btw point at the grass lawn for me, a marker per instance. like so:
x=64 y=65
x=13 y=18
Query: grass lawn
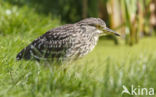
x=102 y=73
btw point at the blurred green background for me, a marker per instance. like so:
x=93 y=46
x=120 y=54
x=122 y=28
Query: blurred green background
x=129 y=60
x=132 y=18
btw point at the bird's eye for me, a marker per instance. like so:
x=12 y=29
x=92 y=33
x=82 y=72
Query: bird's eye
x=98 y=26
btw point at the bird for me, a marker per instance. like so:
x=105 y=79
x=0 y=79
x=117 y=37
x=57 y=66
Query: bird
x=68 y=42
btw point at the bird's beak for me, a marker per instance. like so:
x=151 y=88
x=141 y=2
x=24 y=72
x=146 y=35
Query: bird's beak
x=110 y=31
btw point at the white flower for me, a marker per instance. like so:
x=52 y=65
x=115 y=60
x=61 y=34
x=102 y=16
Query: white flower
x=8 y=12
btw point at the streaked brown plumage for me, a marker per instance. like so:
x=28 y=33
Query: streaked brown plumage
x=66 y=42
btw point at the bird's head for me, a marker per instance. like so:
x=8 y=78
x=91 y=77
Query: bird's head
x=100 y=25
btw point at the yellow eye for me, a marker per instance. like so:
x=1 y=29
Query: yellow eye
x=98 y=26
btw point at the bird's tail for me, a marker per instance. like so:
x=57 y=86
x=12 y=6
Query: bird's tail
x=24 y=54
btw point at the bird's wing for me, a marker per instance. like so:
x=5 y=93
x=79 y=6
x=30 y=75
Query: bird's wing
x=51 y=44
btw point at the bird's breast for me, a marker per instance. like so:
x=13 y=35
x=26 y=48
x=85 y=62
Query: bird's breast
x=82 y=44
x=88 y=45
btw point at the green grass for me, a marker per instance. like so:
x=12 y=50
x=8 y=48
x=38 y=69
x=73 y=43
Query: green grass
x=99 y=74
x=102 y=73
x=19 y=20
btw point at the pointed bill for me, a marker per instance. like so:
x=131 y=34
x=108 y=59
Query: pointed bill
x=110 y=31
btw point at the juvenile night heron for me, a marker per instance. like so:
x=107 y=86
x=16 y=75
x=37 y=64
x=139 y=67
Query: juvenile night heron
x=67 y=42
